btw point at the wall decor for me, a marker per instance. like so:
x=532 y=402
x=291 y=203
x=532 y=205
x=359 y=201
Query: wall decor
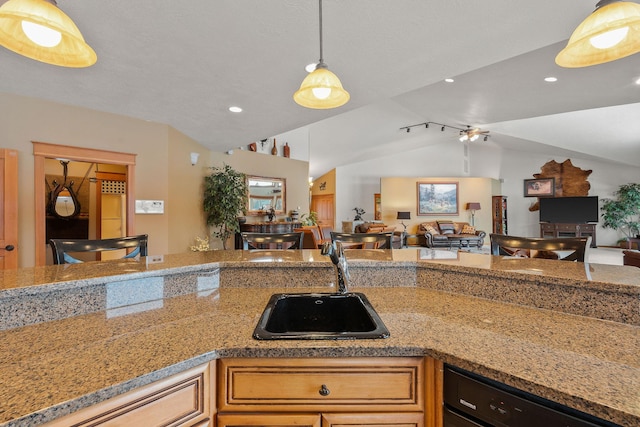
x=570 y=180
x=437 y=198
x=542 y=187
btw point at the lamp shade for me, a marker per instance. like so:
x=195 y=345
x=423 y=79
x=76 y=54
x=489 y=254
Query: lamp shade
x=23 y=22
x=321 y=89
x=473 y=206
x=611 y=32
x=404 y=215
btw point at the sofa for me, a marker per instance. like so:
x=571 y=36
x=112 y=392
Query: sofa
x=378 y=227
x=449 y=234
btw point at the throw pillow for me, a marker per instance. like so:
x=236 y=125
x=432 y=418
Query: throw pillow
x=446 y=227
x=468 y=229
x=429 y=229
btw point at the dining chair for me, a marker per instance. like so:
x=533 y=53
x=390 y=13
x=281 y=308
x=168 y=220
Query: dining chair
x=310 y=239
x=62 y=248
x=325 y=232
x=272 y=240
x=578 y=247
x=363 y=240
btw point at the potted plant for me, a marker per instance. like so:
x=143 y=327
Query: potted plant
x=623 y=212
x=311 y=219
x=225 y=195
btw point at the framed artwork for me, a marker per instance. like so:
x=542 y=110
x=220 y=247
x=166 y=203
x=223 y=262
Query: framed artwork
x=437 y=198
x=543 y=187
x=377 y=206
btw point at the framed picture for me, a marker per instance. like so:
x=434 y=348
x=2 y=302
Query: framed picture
x=437 y=198
x=377 y=207
x=543 y=187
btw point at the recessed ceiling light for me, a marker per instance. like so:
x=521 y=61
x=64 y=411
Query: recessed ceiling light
x=449 y=80
x=638 y=81
x=235 y=109
x=550 y=79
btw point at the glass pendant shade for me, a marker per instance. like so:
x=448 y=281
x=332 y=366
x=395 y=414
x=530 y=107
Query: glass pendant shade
x=39 y=30
x=321 y=89
x=611 y=32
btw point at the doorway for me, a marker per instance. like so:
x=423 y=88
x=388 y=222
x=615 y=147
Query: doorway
x=324 y=206
x=43 y=151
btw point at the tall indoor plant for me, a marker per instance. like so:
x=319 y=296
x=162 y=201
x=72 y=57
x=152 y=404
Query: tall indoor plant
x=225 y=196
x=623 y=212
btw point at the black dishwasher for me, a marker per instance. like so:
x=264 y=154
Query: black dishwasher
x=474 y=401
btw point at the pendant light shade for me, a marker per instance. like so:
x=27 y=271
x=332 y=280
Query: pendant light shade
x=321 y=89
x=39 y=30
x=611 y=32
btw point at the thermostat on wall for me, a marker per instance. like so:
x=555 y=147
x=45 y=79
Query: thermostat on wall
x=149 y=206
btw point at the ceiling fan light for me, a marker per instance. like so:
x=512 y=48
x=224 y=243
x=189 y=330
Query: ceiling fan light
x=611 y=32
x=20 y=18
x=321 y=89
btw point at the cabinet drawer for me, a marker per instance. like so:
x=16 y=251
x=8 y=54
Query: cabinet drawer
x=367 y=384
x=566 y=227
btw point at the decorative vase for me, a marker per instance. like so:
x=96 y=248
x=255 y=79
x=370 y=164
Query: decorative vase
x=287 y=149
x=274 y=150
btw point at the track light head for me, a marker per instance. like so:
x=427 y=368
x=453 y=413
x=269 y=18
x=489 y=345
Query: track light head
x=426 y=125
x=408 y=130
x=442 y=129
x=486 y=138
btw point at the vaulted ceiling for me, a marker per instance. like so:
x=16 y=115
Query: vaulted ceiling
x=184 y=62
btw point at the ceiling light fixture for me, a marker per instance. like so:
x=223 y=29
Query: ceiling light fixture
x=611 y=32
x=321 y=89
x=465 y=134
x=39 y=30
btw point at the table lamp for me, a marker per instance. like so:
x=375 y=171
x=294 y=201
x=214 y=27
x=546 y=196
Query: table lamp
x=402 y=216
x=473 y=207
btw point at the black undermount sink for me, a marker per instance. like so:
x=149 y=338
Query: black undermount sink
x=319 y=316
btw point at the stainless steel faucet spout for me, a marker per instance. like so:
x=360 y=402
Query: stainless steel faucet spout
x=335 y=251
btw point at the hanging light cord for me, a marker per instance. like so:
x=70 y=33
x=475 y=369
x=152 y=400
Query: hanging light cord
x=321 y=61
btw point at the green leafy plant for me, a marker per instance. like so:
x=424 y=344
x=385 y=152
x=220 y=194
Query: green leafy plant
x=225 y=196
x=311 y=219
x=623 y=212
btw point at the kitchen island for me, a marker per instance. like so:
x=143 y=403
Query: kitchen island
x=76 y=335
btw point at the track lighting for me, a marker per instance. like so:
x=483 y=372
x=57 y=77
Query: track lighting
x=465 y=134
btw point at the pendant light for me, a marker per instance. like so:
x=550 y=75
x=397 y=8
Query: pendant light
x=611 y=32
x=321 y=89
x=39 y=30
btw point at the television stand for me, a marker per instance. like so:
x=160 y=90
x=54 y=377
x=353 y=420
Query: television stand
x=556 y=229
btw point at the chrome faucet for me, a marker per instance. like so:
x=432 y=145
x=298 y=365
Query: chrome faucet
x=335 y=251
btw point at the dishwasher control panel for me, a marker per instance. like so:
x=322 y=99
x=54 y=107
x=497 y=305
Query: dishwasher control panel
x=471 y=400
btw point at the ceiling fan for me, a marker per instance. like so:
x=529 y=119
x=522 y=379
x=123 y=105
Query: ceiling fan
x=472 y=134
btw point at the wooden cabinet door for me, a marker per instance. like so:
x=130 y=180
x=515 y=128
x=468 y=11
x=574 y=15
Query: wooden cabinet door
x=267 y=420
x=373 y=420
x=8 y=209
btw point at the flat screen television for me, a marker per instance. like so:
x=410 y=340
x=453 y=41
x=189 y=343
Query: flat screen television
x=569 y=209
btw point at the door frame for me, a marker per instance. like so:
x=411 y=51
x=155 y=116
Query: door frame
x=42 y=150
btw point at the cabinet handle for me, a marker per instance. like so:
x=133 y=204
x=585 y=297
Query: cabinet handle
x=324 y=391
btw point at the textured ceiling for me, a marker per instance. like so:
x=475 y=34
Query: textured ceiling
x=185 y=62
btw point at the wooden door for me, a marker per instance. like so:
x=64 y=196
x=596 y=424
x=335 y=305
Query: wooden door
x=324 y=206
x=9 y=210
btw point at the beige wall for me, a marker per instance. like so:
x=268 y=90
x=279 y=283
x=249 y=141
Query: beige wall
x=163 y=168
x=329 y=181
x=401 y=194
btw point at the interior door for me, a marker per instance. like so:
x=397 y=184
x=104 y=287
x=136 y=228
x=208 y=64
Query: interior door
x=324 y=206
x=9 y=209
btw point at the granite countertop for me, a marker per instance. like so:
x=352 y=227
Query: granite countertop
x=51 y=368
